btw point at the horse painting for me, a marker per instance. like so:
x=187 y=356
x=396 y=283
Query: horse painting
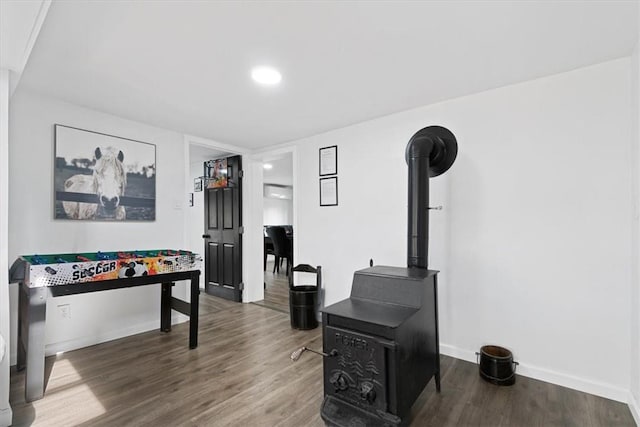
x=108 y=182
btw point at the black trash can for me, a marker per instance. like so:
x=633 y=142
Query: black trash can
x=303 y=300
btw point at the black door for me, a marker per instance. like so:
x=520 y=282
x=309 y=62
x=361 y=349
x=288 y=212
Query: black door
x=223 y=233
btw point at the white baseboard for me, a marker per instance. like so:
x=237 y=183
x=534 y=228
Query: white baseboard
x=6 y=416
x=458 y=353
x=634 y=408
x=562 y=379
x=86 y=341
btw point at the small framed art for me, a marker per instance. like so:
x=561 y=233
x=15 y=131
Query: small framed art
x=329 y=160
x=329 y=191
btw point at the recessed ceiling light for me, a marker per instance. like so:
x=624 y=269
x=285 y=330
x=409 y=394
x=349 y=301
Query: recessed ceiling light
x=266 y=75
x=267 y=166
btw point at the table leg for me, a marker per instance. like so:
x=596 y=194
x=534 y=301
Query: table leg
x=435 y=299
x=32 y=324
x=194 y=305
x=165 y=307
x=23 y=307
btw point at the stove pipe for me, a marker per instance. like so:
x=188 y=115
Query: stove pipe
x=430 y=152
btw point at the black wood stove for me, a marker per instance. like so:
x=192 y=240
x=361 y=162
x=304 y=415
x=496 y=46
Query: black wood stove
x=381 y=345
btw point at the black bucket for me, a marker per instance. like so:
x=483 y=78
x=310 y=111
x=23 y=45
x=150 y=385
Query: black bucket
x=497 y=365
x=303 y=300
x=302 y=307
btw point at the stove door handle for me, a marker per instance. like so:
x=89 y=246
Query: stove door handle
x=296 y=354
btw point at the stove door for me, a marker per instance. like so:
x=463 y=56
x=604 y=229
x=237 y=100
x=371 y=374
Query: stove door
x=360 y=372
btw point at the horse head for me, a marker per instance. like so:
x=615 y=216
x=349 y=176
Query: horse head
x=109 y=177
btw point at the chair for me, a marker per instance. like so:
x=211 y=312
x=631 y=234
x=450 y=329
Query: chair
x=268 y=248
x=281 y=247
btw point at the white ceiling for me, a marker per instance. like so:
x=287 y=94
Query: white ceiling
x=20 y=23
x=185 y=65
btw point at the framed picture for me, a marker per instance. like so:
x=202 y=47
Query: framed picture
x=216 y=173
x=329 y=160
x=103 y=177
x=329 y=191
x=197 y=184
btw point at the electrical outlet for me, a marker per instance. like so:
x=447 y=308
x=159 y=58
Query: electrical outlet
x=65 y=311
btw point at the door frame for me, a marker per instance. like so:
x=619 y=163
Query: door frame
x=270 y=153
x=252 y=207
x=189 y=140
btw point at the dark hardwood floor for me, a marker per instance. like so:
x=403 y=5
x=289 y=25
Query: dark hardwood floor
x=241 y=375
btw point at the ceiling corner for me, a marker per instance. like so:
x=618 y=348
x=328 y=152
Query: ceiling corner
x=21 y=24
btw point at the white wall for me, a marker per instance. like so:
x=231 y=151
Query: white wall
x=5 y=408
x=635 y=273
x=253 y=237
x=534 y=240
x=99 y=316
x=195 y=216
x=277 y=211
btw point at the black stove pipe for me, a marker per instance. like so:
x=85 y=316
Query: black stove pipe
x=430 y=152
x=418 y=152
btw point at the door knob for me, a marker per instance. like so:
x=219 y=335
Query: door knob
x=206 y=236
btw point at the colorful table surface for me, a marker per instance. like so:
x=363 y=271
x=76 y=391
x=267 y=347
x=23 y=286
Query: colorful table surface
x=66 y=269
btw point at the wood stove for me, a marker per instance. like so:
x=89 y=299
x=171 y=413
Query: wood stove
x=381 y=345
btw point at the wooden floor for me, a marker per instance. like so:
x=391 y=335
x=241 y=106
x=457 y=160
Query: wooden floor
x=241 y=375
x=276 y=291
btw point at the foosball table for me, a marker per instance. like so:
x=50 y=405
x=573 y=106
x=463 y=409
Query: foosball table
x=70 y=274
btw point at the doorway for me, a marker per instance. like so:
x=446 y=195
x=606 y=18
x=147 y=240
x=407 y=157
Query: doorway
x=278 y=211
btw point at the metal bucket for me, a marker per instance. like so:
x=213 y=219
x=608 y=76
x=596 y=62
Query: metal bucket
x=497 y=365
